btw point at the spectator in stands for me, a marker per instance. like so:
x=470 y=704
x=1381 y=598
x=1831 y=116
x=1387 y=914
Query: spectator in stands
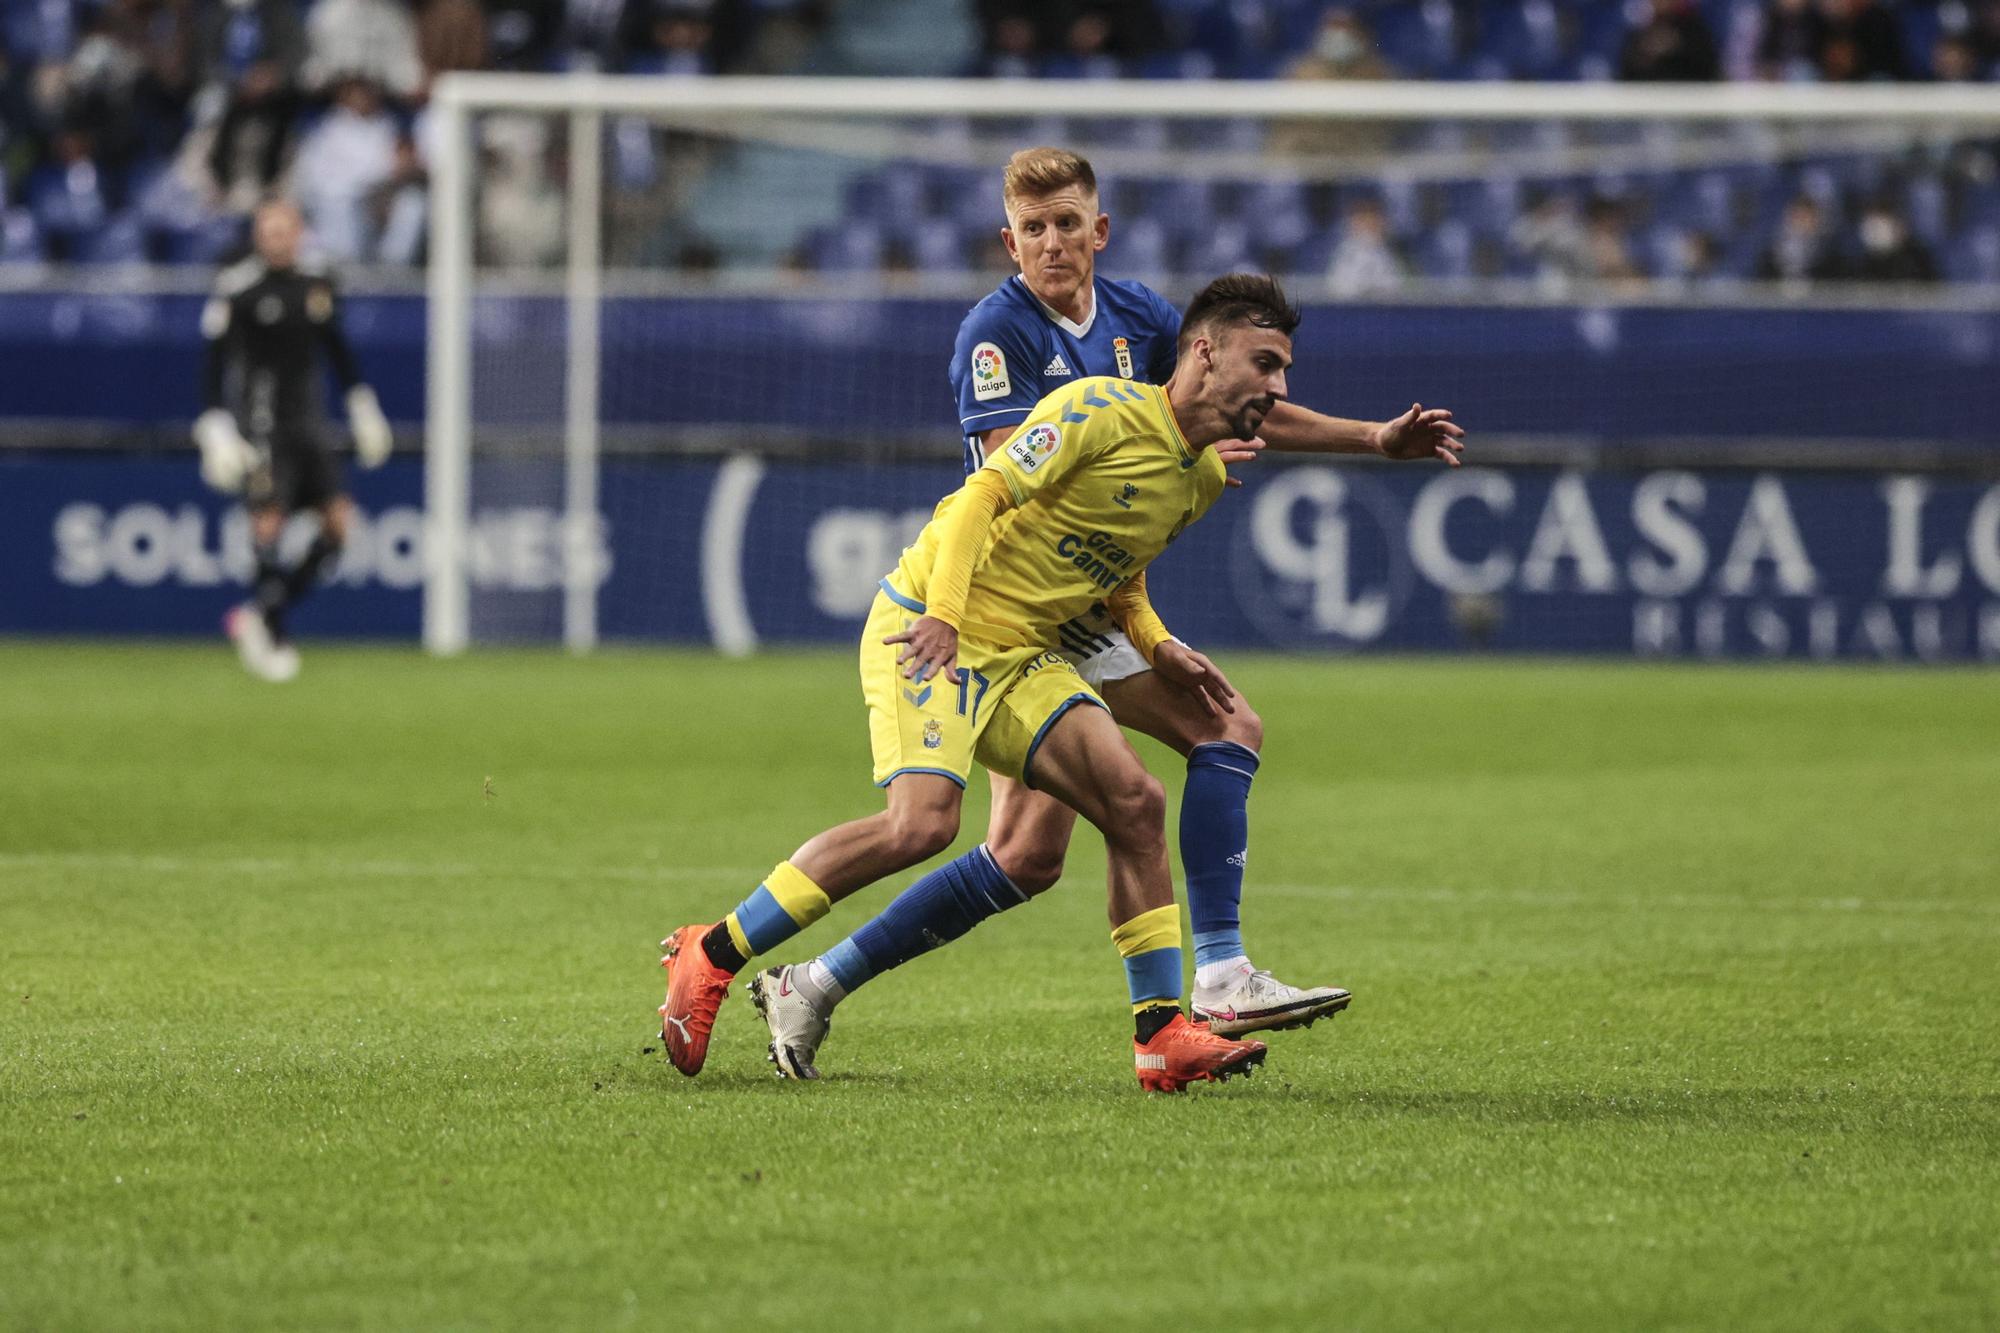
x=1343 y=49
x=402 y=202
x=1673 y=45
x=1889 y=253
x=1550 y=240
x=1863 y=43
x=1011 y=42
x=1087 y=48
x=109 y=89
x=1984 y=34
x=1607 y=244
x=343 y=165
x=1700 y=262
x=520 y=208
x=522 y=34
x=17 y=119
x=70 y=196
x=1079 y=33
x=1789 y=43
x=676 y=42
x=374 y=40
x=1803 y=252
x=250 y=53
x=599 y=33
x=451 y=35
x=1954 y=59
x=1365 y=261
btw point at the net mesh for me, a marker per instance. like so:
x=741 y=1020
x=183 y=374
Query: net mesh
x=781 y=294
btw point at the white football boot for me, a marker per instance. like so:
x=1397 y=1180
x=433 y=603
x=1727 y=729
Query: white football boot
x=1252 y=1000
x=284 y=663
x=254 y=648
x=797 y=1025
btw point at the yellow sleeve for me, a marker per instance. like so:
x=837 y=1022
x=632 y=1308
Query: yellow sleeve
x=961 y=534
x=1135 y=615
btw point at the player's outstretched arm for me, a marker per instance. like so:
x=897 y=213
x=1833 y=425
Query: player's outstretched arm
x=1420 y=433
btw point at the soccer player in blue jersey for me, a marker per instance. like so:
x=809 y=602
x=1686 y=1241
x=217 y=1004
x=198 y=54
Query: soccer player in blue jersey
x=1054 y=323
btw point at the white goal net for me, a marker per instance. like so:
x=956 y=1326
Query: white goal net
x=689 y=340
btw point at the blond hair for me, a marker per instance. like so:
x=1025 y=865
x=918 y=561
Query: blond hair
x=1034 y=173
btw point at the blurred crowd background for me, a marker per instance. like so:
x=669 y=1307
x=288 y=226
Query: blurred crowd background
x=141 y=131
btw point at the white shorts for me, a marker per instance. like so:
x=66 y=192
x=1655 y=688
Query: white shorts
x=1098 y=649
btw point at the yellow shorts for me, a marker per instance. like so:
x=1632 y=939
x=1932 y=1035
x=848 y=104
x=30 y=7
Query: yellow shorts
x=995 y=713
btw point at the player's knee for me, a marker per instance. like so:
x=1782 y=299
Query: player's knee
x=1034 y=867
x=1138 y=809
x=917 y=835
x=1243 y=726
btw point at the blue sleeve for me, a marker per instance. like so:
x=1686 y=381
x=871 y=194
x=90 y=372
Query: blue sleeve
x=992 y=371
x=1166 y=339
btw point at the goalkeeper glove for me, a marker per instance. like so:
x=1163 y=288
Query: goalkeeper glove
x=226 y=457
x=372 y=440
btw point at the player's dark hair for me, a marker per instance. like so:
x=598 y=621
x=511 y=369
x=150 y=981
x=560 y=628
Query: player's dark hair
x=1238 y=298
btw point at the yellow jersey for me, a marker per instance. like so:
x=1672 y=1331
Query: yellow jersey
x=1101 y=479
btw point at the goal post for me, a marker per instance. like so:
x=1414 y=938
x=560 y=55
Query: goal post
x=581 y=313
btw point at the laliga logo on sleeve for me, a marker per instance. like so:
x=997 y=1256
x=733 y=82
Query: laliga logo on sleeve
x=989 y=372
x=1035 y=446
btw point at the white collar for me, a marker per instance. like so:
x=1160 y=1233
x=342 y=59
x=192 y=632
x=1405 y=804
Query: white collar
x=1064 y=322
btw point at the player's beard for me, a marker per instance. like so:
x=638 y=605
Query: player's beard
x=1251 y=417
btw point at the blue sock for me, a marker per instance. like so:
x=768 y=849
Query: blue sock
x=936 y=910
x=1215 y=837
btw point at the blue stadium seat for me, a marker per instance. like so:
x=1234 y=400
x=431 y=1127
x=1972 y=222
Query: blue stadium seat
x=20 y=238
x=855 y=247
x=39 y=31
x=1422 y=40
x=1184 y=205
x=1138 y=247
x=901 y=193
x=1974 y=257
x=1929 y=208
x=205 y=243
x=1277 y=213
x=1447 y=252
x=1526 y=38
x=978 y=202
x=1312 y=256
x=938 y=246
x=1187 y=64
x=121 y=240
x=1225 y=248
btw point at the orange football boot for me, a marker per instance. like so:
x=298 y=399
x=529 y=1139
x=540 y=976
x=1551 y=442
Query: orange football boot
x=1182 y=1053
x=695 y=987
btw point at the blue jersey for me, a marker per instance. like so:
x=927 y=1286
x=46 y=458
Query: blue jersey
x=1011 y=352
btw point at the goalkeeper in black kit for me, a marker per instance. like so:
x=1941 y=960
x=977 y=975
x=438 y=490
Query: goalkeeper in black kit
x=269 y=317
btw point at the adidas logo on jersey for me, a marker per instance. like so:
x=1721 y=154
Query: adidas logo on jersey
x=1058 y=367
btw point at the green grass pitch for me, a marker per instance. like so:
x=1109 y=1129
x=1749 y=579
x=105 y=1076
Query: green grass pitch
x=1675 y=1007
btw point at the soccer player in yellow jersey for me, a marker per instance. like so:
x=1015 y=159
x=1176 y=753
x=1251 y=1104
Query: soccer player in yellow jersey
x=957 y=667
